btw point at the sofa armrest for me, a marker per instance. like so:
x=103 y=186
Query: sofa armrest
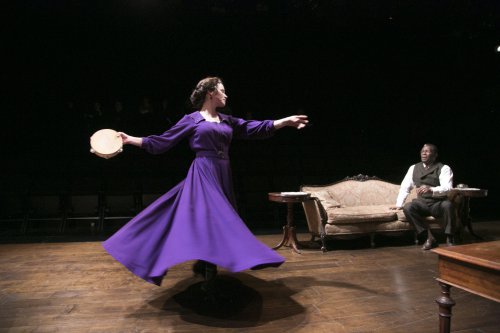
x=315 y=215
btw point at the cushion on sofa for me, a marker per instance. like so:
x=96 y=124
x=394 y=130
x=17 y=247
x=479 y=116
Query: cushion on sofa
x=402 y=217
x=321 y=195
x=330 y=203
x=366 y=228
x=361 y=214
x=326 y=199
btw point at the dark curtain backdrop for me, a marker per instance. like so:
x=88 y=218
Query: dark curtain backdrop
x=377 y=78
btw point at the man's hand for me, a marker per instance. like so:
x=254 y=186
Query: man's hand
x=423 y=189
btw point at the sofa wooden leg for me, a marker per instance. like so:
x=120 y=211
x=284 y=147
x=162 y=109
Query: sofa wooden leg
x=372 y=240
x=323 y=242
x=415 y=237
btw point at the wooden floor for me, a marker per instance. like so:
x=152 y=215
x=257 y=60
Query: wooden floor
x=78 y=287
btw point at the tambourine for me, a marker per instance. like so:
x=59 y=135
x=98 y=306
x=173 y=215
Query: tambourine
x=106 y=143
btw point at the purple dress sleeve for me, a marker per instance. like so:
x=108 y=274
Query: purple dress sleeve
x=158 y=144
x=252 y=129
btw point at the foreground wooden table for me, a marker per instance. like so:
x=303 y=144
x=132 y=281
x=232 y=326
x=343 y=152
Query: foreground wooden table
x=472 y=267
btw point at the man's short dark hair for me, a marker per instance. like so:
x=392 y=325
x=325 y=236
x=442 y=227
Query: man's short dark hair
x=433 y=147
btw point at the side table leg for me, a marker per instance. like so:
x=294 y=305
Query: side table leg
x=445 y=304
x=294 y=242
x=284 y=240
x=292 y=235
x=467 y=218
x=289 y=235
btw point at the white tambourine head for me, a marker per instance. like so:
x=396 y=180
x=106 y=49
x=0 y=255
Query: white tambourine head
x=106 y=143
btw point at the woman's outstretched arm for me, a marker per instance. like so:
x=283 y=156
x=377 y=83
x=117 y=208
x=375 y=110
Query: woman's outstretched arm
x=293 y=121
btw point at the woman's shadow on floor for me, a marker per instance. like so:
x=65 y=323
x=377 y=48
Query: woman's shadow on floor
x=237 y=300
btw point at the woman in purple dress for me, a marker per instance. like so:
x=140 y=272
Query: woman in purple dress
x=197 y=219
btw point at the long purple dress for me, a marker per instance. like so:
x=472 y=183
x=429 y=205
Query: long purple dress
x=196 y=219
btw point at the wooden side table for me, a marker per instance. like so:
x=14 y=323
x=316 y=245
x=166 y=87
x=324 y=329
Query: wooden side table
x=289 y=233
x=468 y=193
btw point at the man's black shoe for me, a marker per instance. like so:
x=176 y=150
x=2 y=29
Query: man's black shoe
x=430 y=243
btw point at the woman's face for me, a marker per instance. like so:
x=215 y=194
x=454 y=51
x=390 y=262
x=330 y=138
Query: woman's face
x=219 y=96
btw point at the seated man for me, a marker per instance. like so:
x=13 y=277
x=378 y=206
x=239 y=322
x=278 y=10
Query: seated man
x=433 y=180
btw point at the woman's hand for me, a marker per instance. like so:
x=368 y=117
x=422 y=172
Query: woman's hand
x=298 y=122
x=130 y=140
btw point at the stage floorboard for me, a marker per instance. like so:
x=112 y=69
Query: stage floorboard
x=78 y=287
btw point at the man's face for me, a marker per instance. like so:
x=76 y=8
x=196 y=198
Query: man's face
x=427 y=155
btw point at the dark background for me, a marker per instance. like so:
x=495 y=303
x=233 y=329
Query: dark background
x=378 y=79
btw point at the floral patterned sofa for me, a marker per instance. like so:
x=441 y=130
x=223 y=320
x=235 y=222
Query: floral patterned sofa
x=357 y=206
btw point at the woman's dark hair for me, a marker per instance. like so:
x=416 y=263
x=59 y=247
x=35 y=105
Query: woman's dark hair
x=206 y=85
